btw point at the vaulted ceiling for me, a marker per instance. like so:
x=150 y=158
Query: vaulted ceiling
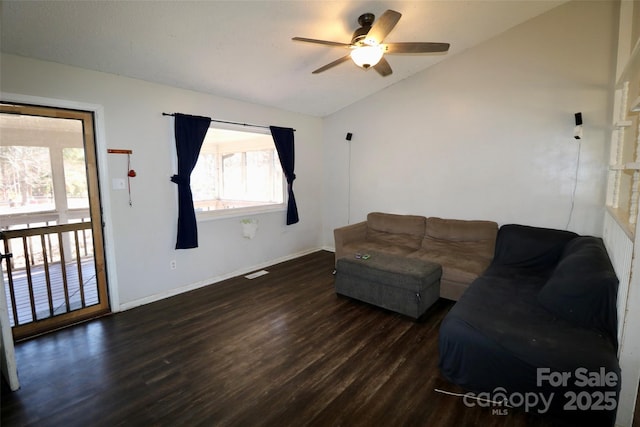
x=243 y=49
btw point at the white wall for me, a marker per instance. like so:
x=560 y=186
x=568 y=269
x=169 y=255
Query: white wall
x=143 y=236
x=486 y=134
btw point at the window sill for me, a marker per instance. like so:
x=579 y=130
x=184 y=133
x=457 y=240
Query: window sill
x=203 y=216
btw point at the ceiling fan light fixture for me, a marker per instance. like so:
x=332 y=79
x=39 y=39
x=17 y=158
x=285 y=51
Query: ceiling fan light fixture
x=367 y=56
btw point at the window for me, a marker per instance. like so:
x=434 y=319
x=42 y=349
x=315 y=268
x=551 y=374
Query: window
x=41 y=162
x=27 y=184
x=237 y=170
x=75 y=178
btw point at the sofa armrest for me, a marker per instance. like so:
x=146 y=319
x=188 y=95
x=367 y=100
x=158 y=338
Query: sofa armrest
x=348 y=234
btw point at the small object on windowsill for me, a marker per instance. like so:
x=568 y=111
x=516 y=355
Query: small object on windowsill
x=249 y=228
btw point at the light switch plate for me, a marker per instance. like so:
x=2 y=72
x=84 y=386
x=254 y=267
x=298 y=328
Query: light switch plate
x=118 y=184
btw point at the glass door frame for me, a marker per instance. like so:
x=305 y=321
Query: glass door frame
x=91 y=143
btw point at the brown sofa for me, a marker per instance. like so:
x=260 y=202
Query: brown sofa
x=463 y=248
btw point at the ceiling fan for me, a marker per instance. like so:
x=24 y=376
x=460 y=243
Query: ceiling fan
x=366 y=45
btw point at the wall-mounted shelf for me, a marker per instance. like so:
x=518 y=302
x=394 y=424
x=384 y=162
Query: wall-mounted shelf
x=631 y=166
x=118 y=151
x=623 y=124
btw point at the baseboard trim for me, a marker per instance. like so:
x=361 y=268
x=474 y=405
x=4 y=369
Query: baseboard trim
x=213 y=280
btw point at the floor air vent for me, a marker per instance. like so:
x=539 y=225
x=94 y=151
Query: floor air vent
x=256 y=274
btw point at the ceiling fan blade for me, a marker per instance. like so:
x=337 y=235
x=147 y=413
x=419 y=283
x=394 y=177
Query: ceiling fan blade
x=417 y=47
x=332 y=64
x=324 y=42
x=383 y=67
x=383 y=26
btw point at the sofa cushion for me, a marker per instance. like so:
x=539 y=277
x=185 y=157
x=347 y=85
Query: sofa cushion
x=458 y=238
x=583 y=287
x=457 y=265
x=531 y=250
x=461 y=230
x=365 y=247
x=396 y=230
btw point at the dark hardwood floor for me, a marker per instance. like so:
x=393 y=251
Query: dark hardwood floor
x=279 y=350
x=636 y=414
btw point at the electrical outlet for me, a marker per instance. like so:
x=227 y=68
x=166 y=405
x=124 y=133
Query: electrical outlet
x=172 y=264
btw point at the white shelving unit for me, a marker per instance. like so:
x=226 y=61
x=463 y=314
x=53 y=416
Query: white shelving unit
x=623 y=204
x=623 y=191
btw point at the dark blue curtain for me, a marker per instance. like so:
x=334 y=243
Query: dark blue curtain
x=190 y=132
x=283 y=139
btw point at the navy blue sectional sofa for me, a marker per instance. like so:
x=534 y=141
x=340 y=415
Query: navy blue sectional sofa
x=539 y=323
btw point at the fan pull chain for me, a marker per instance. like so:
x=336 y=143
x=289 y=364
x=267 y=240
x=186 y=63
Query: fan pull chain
x=129 y=170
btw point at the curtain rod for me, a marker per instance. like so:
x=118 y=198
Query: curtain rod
x=230 y=123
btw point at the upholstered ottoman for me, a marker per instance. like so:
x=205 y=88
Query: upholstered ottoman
x=404 y=285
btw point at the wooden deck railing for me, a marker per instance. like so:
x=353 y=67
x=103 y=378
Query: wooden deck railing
x=54 y=284
x=46 y=219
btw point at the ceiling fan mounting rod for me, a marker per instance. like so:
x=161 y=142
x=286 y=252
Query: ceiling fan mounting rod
x=365 y=20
